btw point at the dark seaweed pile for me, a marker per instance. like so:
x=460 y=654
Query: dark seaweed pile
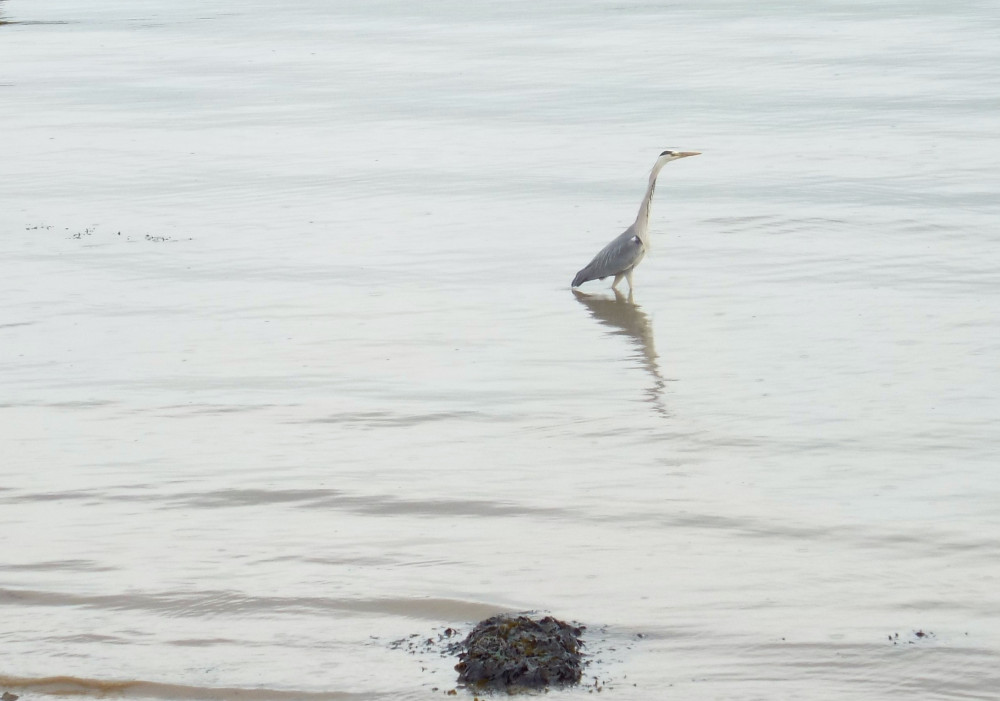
x=510 y=652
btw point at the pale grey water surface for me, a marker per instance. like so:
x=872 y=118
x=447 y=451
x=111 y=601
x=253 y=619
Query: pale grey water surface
x=291 y=369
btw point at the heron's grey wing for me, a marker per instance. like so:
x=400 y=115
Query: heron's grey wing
x=617 y=257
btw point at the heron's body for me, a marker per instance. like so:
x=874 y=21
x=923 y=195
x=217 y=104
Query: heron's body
x=626 y=251
x=618 y=258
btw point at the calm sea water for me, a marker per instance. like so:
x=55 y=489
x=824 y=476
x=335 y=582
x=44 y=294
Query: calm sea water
x=290 y=366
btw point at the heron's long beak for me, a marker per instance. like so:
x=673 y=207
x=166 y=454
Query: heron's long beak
x=685 y=154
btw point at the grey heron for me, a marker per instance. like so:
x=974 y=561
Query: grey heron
x=627 y=250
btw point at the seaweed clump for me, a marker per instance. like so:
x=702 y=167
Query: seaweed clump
x=510 y=653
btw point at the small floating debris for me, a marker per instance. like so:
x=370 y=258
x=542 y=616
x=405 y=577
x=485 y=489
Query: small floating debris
x=916 y=636
x=514 y=653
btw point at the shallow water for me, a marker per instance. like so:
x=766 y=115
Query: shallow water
x=291 y=368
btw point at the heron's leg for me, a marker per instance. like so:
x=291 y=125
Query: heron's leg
x=628 y=276
x=618 y=278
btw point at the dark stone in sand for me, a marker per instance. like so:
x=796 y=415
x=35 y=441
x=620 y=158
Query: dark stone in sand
x=516 y=652
x=7 y=696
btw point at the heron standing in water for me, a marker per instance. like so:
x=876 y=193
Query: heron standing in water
x=620 y=257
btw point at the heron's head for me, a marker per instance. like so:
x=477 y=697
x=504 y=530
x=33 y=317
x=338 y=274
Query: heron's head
x=670 y=155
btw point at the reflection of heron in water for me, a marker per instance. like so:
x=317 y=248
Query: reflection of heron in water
x=628 y=319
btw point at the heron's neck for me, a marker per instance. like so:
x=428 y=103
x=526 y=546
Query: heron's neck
x=642 y=219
